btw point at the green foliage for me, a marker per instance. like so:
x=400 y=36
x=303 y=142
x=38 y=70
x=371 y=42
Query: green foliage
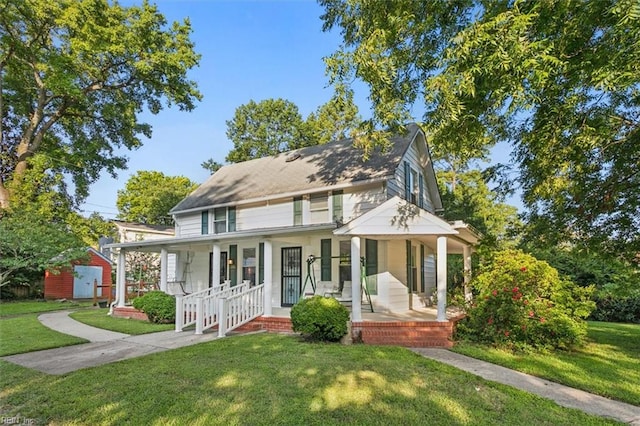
x=273 y=126
x=30 y=244
x=149 y=195
x=617 y=309
x=609 y=274
x=265 y=128
x=557 y=80
x=320 y=318
x=524 y=302
x=158 y=305
x=75 y=75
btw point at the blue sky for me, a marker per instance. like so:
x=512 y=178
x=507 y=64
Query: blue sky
x=250 y=50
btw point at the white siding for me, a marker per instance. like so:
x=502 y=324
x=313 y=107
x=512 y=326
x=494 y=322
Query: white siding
x=188 y=224
x=275 y=214
x=355 y=204
x=417 y=161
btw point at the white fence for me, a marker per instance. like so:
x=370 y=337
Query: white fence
x=240 y=308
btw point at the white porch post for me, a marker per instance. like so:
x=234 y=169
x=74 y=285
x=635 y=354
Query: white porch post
x=164 y=256
x=441 y=283
x=121 y=285
x=215 y=267
x=466 y=254
x=356 y=304
x=268 y=277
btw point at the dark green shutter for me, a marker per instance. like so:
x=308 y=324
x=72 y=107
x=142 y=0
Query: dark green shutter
x=421 y=195
x=261 y=263
x=233 y=268
x=297 y=211
x=205 y=223
x=337 y=207
x=409 y=268
x=325 y=260
x=407 y=181
x=232 y=218
x=422 y=289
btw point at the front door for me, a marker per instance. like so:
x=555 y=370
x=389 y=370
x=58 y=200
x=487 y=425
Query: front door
x=291 y=275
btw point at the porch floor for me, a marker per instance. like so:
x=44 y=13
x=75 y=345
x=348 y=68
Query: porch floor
x=416 y=314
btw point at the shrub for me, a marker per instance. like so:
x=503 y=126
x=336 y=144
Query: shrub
x=159 y=306
x=617 y=309
x=320 y=318
x=523 y=302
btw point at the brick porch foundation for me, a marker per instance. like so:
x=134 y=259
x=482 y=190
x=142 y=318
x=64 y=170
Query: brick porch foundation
x=129 y=312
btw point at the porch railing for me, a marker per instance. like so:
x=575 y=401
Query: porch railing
x=240 y=308
x=187 y=305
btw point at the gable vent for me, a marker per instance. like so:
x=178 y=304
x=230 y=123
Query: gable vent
x=292 y=157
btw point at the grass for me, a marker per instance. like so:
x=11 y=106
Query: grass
x=608 y=365
x=35 y=306
x=24 y=333
x=269 y=379
x=99 y=318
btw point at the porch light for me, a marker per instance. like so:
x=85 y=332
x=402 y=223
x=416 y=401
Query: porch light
x=230 y=262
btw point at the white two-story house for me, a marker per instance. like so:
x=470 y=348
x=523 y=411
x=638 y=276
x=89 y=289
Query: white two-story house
x=319 y=219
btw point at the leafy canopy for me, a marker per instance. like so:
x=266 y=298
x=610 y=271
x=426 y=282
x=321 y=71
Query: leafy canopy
x=74 y=77
x=272 y=126
x=558 y=80
x=149 y=195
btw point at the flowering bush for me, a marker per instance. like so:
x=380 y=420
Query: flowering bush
x=523 y=302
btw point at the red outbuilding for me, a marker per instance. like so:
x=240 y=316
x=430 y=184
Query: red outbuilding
x=77 y=280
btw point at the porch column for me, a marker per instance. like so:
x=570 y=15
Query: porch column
x=466 y=254
x=164 y=257
x=441 y=281
x=268 y=277
x=356 y=303
x=121 y=285
x=215 y=265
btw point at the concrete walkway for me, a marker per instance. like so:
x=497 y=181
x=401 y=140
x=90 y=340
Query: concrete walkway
x=104 y=347
x=562 y=395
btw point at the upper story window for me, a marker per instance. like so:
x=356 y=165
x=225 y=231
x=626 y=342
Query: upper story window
x=319 y=208
x=204 y=227
x=297 y=211
x=224 y=220
x=413 y=185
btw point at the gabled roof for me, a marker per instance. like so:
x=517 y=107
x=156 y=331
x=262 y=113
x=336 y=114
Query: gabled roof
x=302 y=170
x=396 y=217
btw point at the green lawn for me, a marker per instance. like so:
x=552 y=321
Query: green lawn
x=24 y=333
x=99 y=318
x=34 y=306
x=608 y=365
x=270 y=379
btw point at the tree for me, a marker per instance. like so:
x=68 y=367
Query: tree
x=74 y=75
x=264 y=128
x=334 y=120
x=558 y=80
x=29 y=244
x=273 y=126
x=211 y=165
x=149 y=195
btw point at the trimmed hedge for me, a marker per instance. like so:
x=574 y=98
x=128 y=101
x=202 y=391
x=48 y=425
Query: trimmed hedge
x=617 y=309
x=320 y=318
x=159 y=306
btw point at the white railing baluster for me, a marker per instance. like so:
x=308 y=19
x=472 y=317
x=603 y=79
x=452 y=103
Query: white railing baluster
x=179 y=314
